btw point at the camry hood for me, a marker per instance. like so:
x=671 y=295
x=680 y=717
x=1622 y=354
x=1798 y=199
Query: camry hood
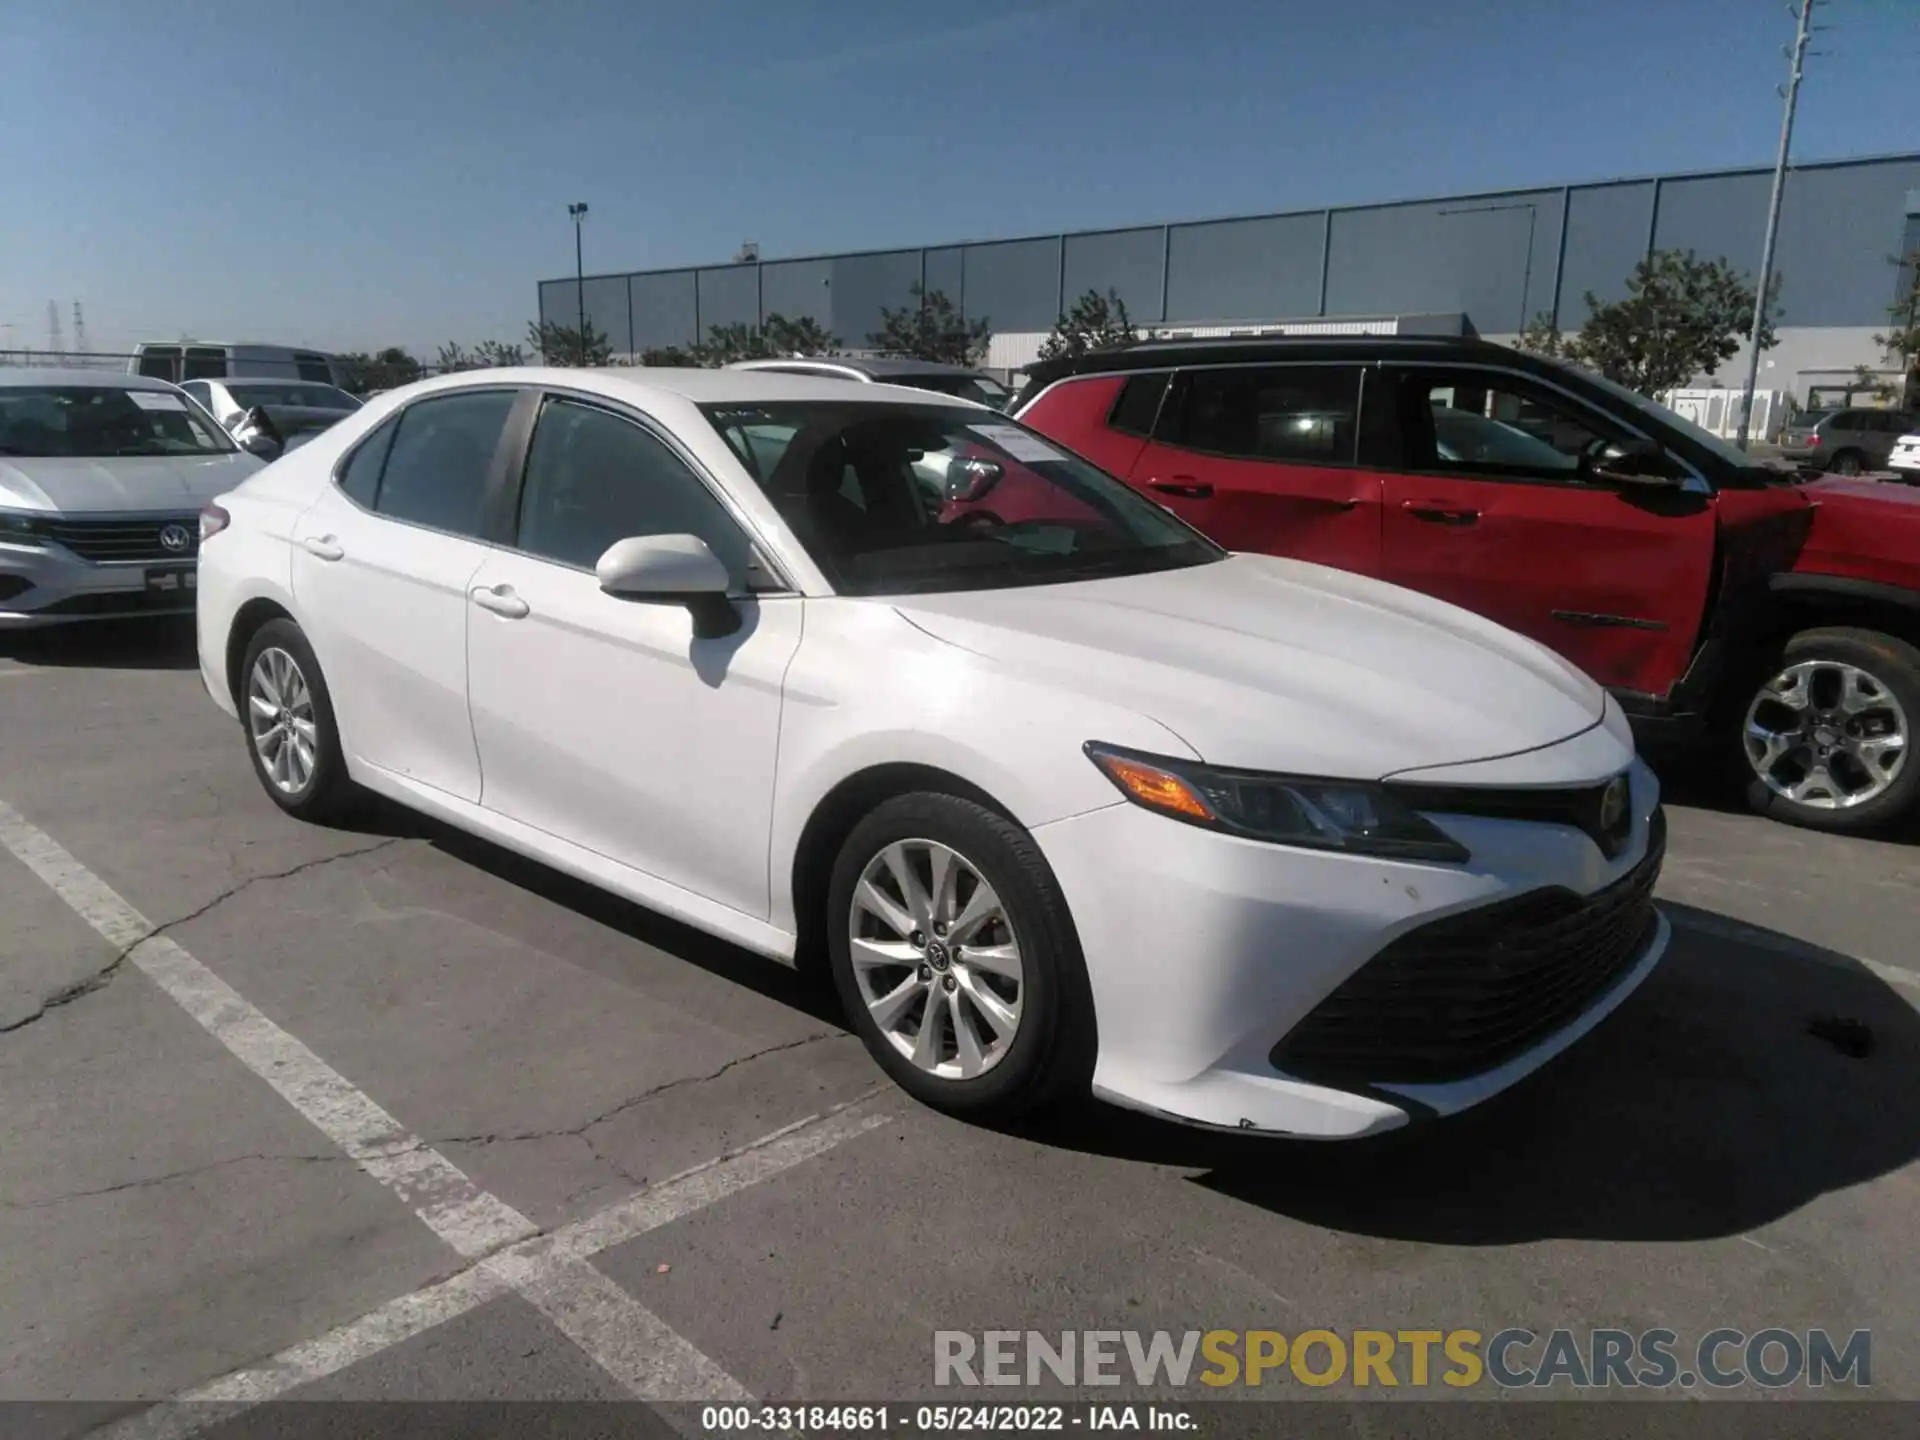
x=121 y=482
x=1267 y=664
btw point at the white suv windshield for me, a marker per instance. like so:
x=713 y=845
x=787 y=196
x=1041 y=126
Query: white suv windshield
x=898 y=499
x=99 y=421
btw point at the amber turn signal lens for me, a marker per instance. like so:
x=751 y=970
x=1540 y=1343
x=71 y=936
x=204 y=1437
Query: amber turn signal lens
x=1155 y=787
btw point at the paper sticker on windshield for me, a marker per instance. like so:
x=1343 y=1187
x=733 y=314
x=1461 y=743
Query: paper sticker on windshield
x=1017 y=442
x=156 y=400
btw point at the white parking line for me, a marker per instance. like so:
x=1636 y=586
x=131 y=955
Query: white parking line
x=523 y=1267
x=621 y=1335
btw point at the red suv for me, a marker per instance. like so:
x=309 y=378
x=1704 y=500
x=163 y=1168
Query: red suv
x=1709 y=593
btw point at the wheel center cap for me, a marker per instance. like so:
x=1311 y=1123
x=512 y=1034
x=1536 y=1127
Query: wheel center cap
x=1826 y=736
x=937 y=954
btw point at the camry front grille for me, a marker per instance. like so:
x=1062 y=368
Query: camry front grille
x=1465 y=994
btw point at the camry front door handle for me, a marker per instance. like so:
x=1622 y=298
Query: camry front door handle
x=501 y=600
x=323 y=547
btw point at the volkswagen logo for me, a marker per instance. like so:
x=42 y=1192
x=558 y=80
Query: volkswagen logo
x=1613 y=805
x=175 y=539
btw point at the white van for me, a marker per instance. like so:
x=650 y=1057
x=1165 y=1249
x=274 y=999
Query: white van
x=197 y=361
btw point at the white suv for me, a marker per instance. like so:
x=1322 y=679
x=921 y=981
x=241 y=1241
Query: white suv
x=1904 y=460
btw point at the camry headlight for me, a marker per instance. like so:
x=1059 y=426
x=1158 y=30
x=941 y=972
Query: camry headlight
x=1348 y=815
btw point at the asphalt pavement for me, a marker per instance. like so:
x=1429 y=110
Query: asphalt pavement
x=386 y=1113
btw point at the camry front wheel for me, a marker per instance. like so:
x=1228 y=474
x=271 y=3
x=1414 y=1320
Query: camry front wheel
x=955 y=957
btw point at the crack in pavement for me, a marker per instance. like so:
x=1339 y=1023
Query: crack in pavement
x=579 y=1132
x=170 y=1176
x=99 y=979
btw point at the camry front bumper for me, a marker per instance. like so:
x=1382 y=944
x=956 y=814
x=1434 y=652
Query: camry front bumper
x=1211 y=957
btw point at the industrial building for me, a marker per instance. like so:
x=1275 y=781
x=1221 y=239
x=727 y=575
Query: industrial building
x=1482 y=263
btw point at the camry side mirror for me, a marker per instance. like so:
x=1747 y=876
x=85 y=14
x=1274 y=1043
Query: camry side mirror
x=673 y=570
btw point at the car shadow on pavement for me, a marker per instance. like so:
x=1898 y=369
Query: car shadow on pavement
x=721 y=958
x=160 y=643
x=1725 y=1094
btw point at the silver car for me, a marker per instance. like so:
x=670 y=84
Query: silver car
x=102 y=477
x=1844 y=441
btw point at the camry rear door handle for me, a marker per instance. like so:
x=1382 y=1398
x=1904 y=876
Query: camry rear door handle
x=1184 y=485
x=323 y=547
x=1438 y=512
x=500 y=599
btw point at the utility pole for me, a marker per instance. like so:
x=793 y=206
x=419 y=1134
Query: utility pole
x=1797 y=54
x=79 y=330
x=54 y=342
x=579 y=213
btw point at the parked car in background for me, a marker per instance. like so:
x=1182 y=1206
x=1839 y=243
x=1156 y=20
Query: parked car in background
x=198 y=361
x=955 y=380
x=1845 y=442
x=1716 y=597
x=102 y=477
x=1904 y=458
x=1208 y=833
x=270 y=417
x=229 y=400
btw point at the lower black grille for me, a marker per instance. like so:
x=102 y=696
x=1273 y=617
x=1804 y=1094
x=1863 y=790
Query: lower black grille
x=122 y=602
x=1465 y=994
x=129 y=540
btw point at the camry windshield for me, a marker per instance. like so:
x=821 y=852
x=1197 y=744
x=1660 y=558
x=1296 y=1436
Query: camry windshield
x=903 y=499
x=311 y=397
x=96 y=422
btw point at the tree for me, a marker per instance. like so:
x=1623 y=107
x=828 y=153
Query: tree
x=1096 y=322
x=1682 y=317
x=727 y=343
x=801 y=336
x=390 y=368
x=1902 y=340
x=497 y=355
x=558 y=344
x=453 y=358
x=931 y=329
x=669 y=355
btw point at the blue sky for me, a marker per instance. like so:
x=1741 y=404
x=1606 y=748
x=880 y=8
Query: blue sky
x=364 y=172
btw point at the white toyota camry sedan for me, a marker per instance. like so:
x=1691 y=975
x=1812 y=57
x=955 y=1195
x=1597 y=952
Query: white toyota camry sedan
x=1062 y=794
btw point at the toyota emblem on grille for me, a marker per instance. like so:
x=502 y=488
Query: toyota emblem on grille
x=175 y=538
x=1613 y=805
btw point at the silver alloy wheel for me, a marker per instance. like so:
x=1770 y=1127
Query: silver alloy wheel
x=1826 y=734
x=936 y=959
x=280 y=719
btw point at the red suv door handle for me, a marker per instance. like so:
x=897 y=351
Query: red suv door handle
x=1438 y=512
x=1184 y=485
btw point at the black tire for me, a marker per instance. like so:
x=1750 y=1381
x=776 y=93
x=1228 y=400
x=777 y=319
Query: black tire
x=328 y=793
x=1848 y=462
x=1051 y=1052
x=1893 y=665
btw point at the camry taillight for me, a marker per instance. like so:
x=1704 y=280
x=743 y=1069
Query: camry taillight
x=212 y=521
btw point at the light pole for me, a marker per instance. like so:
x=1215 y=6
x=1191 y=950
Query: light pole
x=1798 y=55
x=1533 y=222
x=579 y=213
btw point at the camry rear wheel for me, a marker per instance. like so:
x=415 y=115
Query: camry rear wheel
x=955 y=958
x=1826 y=735
x=288 y=716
